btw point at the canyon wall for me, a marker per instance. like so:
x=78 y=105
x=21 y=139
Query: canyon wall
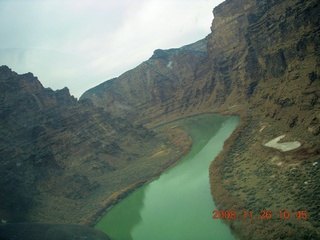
x=260 y=53
x=261 y=62
x=61 y=159
x=265 y=56
x=157 y=88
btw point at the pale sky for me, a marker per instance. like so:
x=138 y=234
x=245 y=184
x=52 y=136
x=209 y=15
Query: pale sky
x=82 y=43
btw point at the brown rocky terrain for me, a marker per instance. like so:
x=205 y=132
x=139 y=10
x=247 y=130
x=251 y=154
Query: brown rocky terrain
x=68 y=160
x=157 y=88
x=274 y=63
x=60 y=158
x=262 y=62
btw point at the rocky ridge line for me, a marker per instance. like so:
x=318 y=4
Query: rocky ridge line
x=61 y=158
x=262 y=63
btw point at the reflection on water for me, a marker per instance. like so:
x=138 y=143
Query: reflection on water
x=127 y=215
x=177 y=205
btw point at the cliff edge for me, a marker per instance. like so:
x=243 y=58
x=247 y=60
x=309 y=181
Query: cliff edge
x=62 y=160
x=262 y=62
x=68 y=159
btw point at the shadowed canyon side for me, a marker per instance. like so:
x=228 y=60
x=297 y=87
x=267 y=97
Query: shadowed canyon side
x=65 y=161
x=68 y=161
x=262 y=62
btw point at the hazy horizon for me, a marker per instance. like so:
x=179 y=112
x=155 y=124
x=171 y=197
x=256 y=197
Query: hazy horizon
x=80 y=44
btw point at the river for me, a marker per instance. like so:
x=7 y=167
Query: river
x=177 y=205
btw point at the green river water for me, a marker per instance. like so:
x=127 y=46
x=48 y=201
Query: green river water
x=177 y=205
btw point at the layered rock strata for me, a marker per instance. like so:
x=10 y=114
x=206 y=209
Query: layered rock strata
x=60 y=158
x=158 y=88
x=261 y=62
x=273 y=64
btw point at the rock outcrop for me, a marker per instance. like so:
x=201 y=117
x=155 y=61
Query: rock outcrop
x=270 y=70
x=158 y=88
x=61 y=157
x=262 y=61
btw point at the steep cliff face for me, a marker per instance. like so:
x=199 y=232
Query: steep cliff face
x=265 y=58
x=263 y=63
x=159 y=87
x=267 y=54
x=60 y=158
x=259 y=53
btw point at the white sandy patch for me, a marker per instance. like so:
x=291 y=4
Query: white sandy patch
x=285 y=146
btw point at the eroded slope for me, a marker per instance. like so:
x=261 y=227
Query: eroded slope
x=62 y=159
x=263 y=63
